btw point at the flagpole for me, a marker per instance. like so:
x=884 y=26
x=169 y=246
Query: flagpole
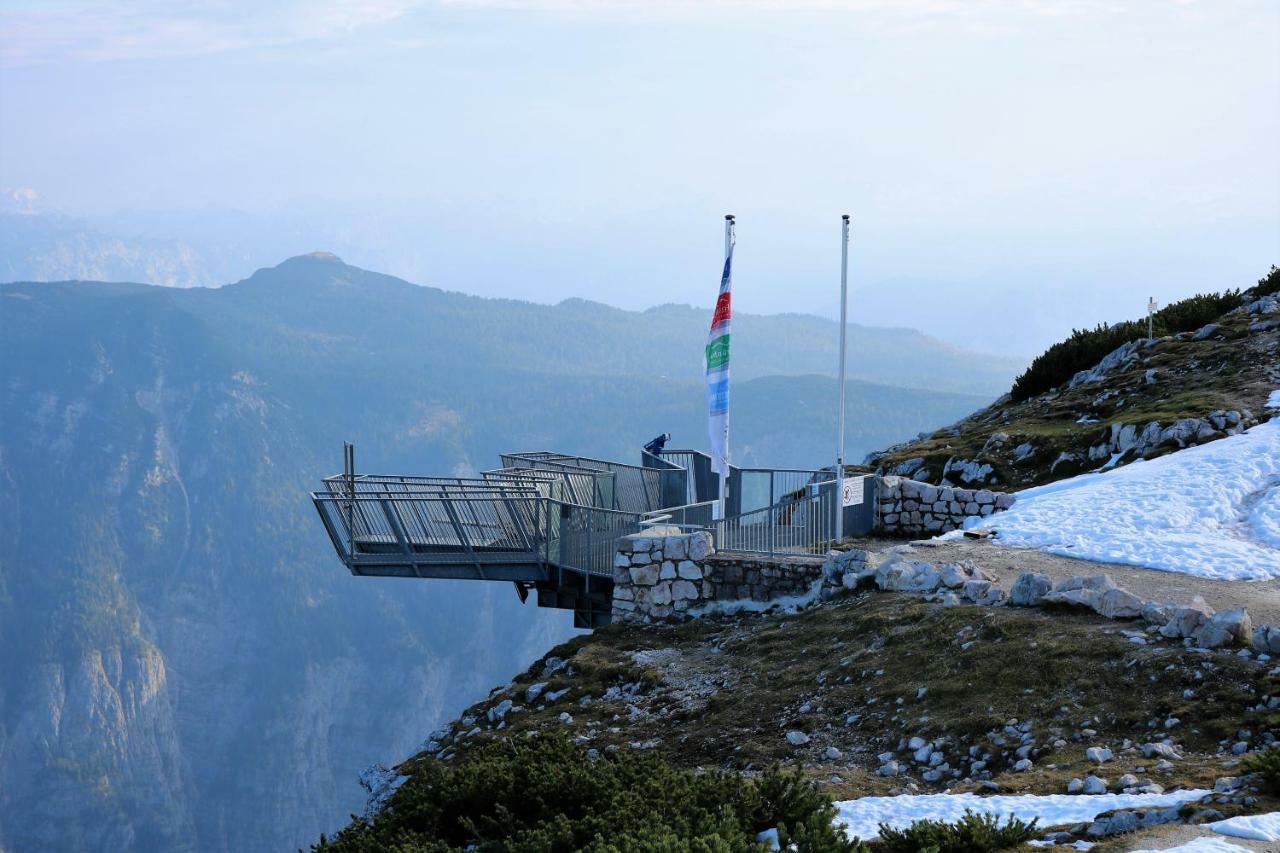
x=724 y=473
x=844 y=302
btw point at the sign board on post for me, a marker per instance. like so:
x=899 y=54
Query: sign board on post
x=851 y=493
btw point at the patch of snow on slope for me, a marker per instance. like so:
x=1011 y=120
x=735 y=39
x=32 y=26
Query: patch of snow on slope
x=1255 y=827
x=1273 y=402
x=1212 y=510
x=862 y=817
x=1200 y=845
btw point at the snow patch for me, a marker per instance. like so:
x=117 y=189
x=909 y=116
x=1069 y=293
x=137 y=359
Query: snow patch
x=862 y=817
x=1255 y=827
x=1273 y=402
x=1200 y=845
x=1211 y=510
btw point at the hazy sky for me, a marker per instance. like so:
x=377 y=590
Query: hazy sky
x=1012 y=168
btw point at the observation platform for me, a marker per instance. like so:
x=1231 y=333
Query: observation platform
x=550 y=522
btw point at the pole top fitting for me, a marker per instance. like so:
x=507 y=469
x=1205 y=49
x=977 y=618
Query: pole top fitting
x=845 y=217
x=729 y=217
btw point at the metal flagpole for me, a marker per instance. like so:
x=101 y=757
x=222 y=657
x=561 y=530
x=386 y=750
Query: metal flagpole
x=724 y=473
x=844 y=302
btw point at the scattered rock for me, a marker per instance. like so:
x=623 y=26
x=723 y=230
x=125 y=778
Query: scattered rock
x=1226 y=628
x=797 y=738
x=1029 y=589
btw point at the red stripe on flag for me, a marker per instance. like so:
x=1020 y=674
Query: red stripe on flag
x=722 y=309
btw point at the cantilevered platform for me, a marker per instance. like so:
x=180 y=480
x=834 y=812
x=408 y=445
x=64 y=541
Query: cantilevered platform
x=550 y=522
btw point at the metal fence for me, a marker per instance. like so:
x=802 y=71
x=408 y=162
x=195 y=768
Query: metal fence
x=804 y=525
x=629 y=488
x=381 y=523
x=586 y=538
x=697 y=515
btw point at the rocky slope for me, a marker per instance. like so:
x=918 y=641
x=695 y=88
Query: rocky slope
x=1145 y=399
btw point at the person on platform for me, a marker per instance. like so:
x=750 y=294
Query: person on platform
x=655 y=446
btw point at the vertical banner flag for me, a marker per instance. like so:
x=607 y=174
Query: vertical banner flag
x=718 y=373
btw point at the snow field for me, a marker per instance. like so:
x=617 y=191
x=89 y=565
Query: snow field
x=862 y=817
x=1212 y=510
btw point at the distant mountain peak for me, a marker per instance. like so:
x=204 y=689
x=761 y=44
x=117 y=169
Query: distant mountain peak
x=323 y=256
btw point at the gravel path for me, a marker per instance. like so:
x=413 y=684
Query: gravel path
x=1262 y=598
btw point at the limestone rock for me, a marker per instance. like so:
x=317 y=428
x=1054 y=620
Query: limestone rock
x=645 y=575
x=1187 y=619
x=1029 y=589
x=1118 y=604
x=1266 y=639
x=797 y=738
x=1226 y=628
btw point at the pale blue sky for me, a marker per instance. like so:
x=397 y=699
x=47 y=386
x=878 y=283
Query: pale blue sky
x=1012 y=168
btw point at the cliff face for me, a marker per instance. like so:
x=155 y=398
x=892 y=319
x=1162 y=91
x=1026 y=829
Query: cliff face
x=185 y=664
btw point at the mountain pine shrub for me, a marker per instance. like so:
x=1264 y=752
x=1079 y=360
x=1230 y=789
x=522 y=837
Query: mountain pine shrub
x=1269 y=283
x=1087 y=347
x=1267 y=763
x=973 y=833
x=544 y=794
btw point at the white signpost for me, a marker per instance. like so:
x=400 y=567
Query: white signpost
x=1151 y=310
x=851 y=492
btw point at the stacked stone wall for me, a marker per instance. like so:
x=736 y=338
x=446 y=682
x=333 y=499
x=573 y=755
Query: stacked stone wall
x=909 y=506
x=666 y=575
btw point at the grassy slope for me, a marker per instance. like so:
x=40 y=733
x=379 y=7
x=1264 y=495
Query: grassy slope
x=1232 y=370
x=723 y=693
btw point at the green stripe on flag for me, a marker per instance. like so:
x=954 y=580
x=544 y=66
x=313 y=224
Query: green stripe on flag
x=718 y=352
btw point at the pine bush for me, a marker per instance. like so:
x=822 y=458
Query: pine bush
x=1086 y=347
x=1266 y=763
x=543 y=794
x=973 y=833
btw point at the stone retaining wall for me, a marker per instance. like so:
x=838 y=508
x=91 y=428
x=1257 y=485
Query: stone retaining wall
x=666 y=575
x=909 y=506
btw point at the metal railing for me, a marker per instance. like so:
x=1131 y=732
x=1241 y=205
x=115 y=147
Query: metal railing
x=587 y=537
x=697 y=515
x=629 y=488
x=758 y=488
x=473 y=527
x=804 y=525
x=418 y=525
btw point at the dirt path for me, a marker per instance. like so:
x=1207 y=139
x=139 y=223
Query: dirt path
x=1261 y=598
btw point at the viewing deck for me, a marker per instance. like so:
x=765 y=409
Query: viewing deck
x=551 y=522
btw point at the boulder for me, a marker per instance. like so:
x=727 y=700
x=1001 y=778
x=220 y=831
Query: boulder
x=1226 y=628
x=1118 y=604
x=1164 y=750
x=898 y=574
x=1094 y=785
x=1098 y=754
x=797 y=738
x=1155 y=613
x=1029 y=589
x=1187 y=619
x=1266 y=639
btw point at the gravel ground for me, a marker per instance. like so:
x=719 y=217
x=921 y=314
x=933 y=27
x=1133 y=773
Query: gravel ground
x=1261 y=598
